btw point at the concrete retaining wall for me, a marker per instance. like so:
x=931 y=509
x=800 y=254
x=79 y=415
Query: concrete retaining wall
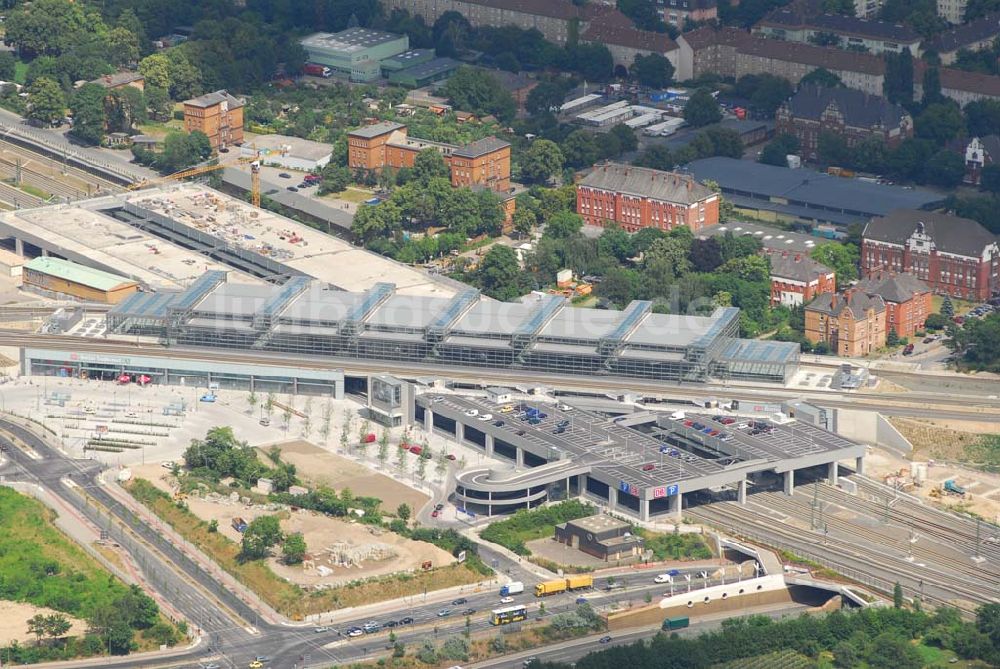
x=871 y=427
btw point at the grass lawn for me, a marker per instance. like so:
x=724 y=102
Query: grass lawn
x=37 y=192
x=157 y=129
x=524 y=526
x=355 y=195
x=281 y=595
x=961 y=306
x=20 y=72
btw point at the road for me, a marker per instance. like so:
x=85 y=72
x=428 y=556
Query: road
x=234 y=631
x=569 y=651
x=916 y=404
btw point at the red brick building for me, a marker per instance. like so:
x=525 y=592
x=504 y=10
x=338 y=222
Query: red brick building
x=907 y=300
x=851 y=324
x=849 y=113
x=219 y=115
x=797 y=279
x=639 y=197
x=485 y=162
x=952 y=255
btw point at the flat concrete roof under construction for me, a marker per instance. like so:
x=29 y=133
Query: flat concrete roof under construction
x=293 y=246
x=668 y=457
x=78 y=233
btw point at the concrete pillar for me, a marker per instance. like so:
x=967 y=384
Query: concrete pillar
x=581 y=484
x=789 y=481
x=428 y=421
x=644 y=510
x=741 y=491
x=338 y=389
x=859 y=464
x=489 y=504
x=19 y=246
x=675 y=504
x=45 y=253
x=489 y=445
x=833 y=473
x=459 y=431
x=519 y=456
x=612 y=498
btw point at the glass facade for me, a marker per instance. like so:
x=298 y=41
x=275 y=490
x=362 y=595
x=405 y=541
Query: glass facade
x=540 y=334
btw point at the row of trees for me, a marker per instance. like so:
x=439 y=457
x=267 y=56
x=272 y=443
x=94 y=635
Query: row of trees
x=875 y=638
x=221 y=455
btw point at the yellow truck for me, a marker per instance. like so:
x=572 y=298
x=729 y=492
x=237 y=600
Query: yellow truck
x=550 y=587
x=578 y=582
x=564 y=584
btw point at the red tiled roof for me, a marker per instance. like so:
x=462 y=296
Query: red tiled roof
x=815 y=56
x=707 y=36
x=615 y=28
x=960 y=80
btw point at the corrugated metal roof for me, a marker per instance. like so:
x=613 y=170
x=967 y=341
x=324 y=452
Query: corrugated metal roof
x=81 y=274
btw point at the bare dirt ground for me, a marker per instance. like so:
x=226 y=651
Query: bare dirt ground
x=562 y=554
x=341 y=551
x=14 y=625
x=320 y=467
x=940 y=443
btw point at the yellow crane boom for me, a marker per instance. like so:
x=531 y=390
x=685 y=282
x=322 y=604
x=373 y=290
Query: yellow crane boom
x=203 y=169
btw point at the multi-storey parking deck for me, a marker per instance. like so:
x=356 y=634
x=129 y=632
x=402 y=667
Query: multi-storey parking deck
x=641 y=464
x=538 y=332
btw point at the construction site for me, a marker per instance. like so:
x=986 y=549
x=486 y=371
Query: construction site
x=165 y=236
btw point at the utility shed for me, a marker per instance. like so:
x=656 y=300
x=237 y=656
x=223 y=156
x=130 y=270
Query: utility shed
x=55 y=275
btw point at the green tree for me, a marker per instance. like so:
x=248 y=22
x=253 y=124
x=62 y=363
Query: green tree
x=982 y=117
x=87 y=107
x=544 y=98
x=890 y=651
x=477 y=91
x=653 y=70
x=990 y=179
x=525 y=221
x=541 y=161
x=45 y=102
x=122 y=47
x=627 y=138
x=383 y=448
x=261 y=534
x=846 y=655
x=702 y=109
x=293 y=549
x=897 y=589
x=51 y=27
x=377 y=221
x=8 y=65
x=580 y=149
x=898 y=82
x=821 y=77
x=56 y=625
x=403 y=512
x=944 y=168
x=778 y=150
x=947 y=308
x=932 y=86
x=841 y=258
x=939 y=122
x=429 y=164
x=563 y=225
x=832 y=148
x=37 y=626
x=499 y=274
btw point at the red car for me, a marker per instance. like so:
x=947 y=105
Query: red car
x=648 y=467
x=416 y=450
x=450 y=456
x=435 y=513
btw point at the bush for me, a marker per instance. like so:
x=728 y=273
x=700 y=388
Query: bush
x=526 y=525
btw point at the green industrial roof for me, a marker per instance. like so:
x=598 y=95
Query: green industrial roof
x=70 y=271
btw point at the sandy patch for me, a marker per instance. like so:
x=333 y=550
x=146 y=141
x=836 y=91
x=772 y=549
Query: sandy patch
x=14 y=626
x=319 y=467
x=349 y=550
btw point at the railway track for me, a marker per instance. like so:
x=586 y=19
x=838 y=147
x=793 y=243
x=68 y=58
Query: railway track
x=868 y=564
x=928 y=521
x=925 y=551
x=48 y=182
x=18 y=197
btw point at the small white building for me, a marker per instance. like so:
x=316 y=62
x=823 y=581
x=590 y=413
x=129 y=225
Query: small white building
x=11 y=264
x=293 y=153
x=499 y=395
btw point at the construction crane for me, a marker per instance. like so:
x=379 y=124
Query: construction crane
x=204 y=169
